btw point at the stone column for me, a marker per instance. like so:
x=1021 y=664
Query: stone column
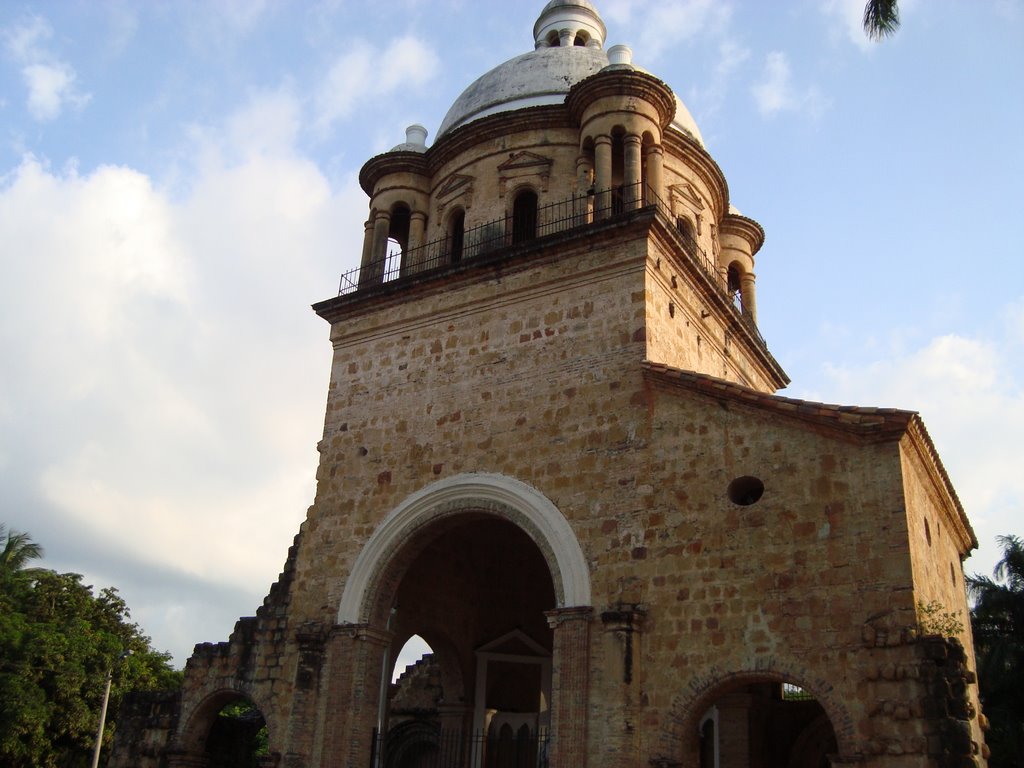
x=348 y=713
x=748 y=296
x=374 y=272
x=631 y=171
x=570 y=684
x=655 y=174
x=603 y=176
x=302 y=718
x=367 y=258
x=565 y=37
x=413 y=257
x=584 y=185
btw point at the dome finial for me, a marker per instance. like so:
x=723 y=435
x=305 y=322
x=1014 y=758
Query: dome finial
x=569 y=22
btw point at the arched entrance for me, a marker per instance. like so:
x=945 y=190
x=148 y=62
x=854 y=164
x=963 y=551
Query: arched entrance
x=227 y=730
x=474 y=565
x=758 y=721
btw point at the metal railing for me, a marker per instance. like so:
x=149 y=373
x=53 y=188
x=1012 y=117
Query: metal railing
x=578 y=212
x=436 y=748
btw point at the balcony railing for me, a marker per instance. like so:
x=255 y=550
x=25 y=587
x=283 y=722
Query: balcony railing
x=579 y=212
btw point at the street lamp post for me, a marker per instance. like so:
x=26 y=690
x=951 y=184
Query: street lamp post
x=103 y=710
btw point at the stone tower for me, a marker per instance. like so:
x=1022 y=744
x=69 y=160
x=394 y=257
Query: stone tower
x=553 y=449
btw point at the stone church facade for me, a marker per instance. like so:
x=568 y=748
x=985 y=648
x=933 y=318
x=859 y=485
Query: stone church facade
x=553 y=449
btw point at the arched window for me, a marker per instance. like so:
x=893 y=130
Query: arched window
x=456 y=235
x=553 y=39
x=581 y=39
x=524 y=216
x=733 y=276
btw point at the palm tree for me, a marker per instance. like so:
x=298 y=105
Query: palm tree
x=881 y=18
x=998 y=622
x=18 y=551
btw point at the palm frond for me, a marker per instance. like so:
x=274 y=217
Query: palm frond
x=881 y=18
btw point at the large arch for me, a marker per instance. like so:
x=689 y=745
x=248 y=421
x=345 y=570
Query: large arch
x=499 y=495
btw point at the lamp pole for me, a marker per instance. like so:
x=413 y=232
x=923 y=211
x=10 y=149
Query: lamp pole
x=103 y=710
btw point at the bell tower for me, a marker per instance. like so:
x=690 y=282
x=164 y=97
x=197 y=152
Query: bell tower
x=553 y=450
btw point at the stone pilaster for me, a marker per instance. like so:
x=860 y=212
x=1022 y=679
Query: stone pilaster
x=354 y=659
x=570 y=685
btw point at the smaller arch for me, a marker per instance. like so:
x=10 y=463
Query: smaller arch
x=581 y=39
x=398 y=229
x=682 y=737
x=552 y=39
x=194 y=737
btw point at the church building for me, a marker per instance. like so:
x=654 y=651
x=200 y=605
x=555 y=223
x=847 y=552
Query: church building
x=554 y=450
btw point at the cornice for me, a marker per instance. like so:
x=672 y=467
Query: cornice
x=748 y=229
x=694 y=156
x=626 y=82
x=377 y=167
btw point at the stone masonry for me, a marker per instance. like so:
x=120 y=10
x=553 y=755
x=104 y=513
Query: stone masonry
x=553 y=449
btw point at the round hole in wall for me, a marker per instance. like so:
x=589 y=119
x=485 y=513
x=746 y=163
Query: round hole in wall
x=746 y=490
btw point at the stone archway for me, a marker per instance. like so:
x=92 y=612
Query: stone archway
x=499 y=495
x=477 y=564
x=227 y=729
x=778 y=710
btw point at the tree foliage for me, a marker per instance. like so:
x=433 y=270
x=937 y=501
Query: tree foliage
x=58 y=640
x=881 y=18
x=997 y=619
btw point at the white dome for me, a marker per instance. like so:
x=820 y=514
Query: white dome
x=545 y=75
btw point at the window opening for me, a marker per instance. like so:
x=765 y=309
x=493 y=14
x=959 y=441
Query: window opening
x=524 y=217
x=733 y=277
x=456 y=235
x=412 y=653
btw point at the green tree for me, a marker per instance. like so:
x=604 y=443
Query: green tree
x=997 y=619
x=57 y=641
x=881 y=18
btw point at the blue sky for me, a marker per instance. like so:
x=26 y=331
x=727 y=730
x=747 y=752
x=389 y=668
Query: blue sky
x=178 y=185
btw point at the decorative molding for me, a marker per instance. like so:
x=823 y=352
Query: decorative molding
x=456 y=183
x=685 y=193
x=509 y=498
x=522 y=165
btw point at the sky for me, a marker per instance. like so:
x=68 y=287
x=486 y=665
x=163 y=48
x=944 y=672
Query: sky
x=178 y=184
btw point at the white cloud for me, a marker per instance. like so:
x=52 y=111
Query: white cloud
x=847 y=17
x=710 y=98
x=775 y=91
x=51 y=82
x=50 y=88
x=363 y=72
x=164 y=377
x=968 y=390
x=661 y=26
